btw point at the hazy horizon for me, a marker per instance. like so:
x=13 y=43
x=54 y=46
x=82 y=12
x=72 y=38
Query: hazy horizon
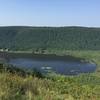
x=47 y=26
x=50 y=13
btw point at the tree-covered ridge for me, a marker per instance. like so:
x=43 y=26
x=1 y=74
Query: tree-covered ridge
x=69 y=38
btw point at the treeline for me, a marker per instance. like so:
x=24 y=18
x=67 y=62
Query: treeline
x=43 y=38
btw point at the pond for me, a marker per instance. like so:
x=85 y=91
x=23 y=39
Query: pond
x=65 y=65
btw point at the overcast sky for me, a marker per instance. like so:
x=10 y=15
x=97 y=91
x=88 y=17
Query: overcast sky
x=50 y=13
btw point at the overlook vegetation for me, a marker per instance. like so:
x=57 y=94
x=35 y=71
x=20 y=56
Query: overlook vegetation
x=14 y=86
x=45 y=38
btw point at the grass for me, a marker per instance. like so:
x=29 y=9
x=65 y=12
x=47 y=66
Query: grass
x=53 y=87
x=15 y=87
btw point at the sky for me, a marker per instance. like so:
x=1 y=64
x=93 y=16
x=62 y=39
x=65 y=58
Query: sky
x=50 y=13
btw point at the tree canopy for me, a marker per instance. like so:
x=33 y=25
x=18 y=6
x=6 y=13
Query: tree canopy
x=33 y=38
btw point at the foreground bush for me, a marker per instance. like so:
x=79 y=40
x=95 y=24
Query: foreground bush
x=16 y=84
x=14 y=87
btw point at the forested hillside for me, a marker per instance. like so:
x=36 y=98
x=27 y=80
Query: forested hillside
x=33 y=38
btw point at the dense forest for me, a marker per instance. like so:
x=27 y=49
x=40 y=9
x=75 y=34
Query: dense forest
x=34 y=38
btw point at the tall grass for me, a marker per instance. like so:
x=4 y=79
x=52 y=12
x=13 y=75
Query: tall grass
x=15 y=87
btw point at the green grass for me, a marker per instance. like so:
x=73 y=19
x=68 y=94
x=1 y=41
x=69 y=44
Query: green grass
x=53 y=87
x=83 y=87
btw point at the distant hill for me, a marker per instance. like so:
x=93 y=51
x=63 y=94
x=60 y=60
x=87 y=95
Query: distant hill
x=33 y=38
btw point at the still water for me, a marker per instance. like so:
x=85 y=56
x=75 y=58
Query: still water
x=47 y=64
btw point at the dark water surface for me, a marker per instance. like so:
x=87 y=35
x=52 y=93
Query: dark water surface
x=66 y=65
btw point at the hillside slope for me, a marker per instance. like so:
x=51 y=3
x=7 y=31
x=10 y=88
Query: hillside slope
x=32 y=38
